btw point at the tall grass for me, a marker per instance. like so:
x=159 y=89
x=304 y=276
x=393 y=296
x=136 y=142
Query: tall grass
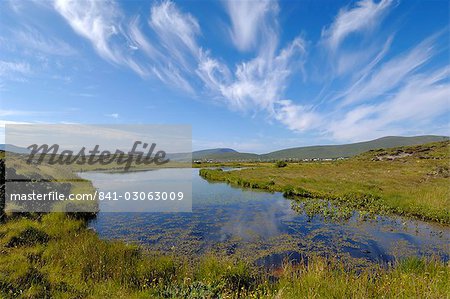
x=57 y=257
x=416 y=185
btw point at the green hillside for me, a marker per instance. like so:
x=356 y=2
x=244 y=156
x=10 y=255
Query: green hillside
x=213 y=151
x=222 y=154
x=322 y=151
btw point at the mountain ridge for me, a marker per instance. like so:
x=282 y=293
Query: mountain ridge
x=296 y=153
x=319 y=151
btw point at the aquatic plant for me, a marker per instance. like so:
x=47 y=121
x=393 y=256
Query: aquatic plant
x=58 y=257
x=413 y=185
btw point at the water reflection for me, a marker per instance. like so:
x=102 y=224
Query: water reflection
x=262 y=226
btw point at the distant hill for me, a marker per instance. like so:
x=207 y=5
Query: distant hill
x=212 y=152
x=307 y=152
x=349 y=150
x=320 y=151
x=14 y=149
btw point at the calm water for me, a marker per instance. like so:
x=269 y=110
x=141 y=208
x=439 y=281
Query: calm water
x=262 y=227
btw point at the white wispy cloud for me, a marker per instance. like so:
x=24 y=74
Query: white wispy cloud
x=391 y=73
x=250 y=20
x=257 y=84
x=297 y=117
x=366 y=15
x=378 y=93
x=254 y=85
x=176 y=58
x=361 y=62
x=116 y=38
x=14 y=71
x=177 y=34
x=176 y=30
x=100 y=23
x=19 y=67
x=138 y=40
x=32 y=39
x=414 y=106
x=96 y=21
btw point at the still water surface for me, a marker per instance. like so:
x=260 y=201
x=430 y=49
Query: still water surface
x=262 y=227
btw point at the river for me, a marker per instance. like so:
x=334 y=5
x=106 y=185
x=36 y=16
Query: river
x=263 y=228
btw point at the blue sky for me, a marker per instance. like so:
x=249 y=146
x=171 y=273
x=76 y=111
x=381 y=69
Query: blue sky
x=252 y=75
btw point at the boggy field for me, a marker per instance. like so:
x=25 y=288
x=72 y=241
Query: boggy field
x=55 y=255
x=412 y=181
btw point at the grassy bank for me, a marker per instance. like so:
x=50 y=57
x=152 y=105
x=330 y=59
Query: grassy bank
x=409 y=181
x=56 y=256
x=24 y=178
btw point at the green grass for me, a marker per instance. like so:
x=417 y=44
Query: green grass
x=58 y=178
x=409 y=181
x=57 y=257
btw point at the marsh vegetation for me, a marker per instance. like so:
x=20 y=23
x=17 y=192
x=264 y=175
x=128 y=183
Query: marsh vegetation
x=409 y=181
x=58 y=255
